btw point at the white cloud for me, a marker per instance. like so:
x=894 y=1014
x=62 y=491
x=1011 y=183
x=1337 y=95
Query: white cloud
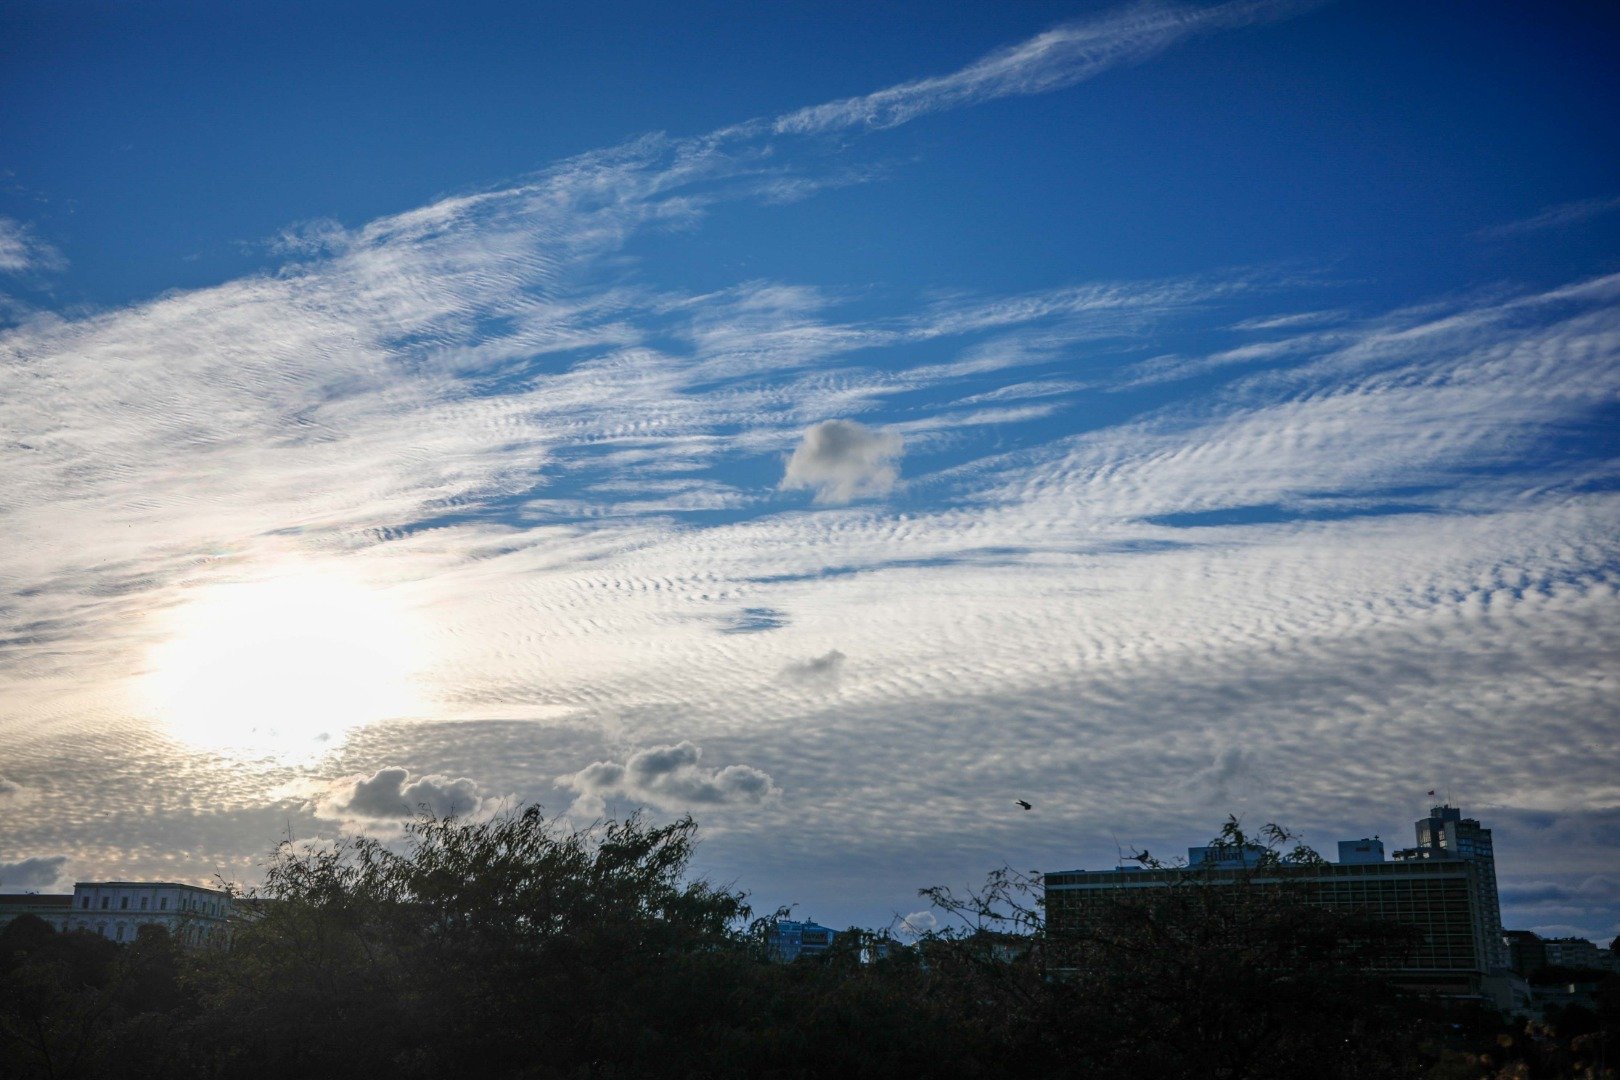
x=9 y=787
x=667 y=776
x=1060 y=57
x=22 y=252
x=1555 y=217
x=842 y=460
x=919 y=923
x=818 y=669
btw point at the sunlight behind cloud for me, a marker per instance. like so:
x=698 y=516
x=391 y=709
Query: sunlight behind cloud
x=285 y=665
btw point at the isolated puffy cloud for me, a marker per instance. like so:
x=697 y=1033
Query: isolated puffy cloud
x=34 y=873
x=667 y=776
x=841 y=460
x=919 y=923
x=390 y=794
x=817 y=669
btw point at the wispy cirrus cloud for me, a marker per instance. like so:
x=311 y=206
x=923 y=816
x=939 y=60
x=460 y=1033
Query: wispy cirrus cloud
x=22 y=251
x=1061 y=57
x=1555 y=217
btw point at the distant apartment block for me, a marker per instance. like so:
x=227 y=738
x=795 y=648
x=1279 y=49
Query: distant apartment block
x=1574 y=953
x=1444 y=889
x=117 y=909
x=1527 y=952
x=788 y=940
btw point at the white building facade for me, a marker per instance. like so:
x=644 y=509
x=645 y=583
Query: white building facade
x=118 y=909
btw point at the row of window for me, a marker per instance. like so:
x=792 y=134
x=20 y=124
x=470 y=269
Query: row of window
x=186 y=904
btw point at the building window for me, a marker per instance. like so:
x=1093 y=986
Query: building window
x=143 y=903
x=163 y=904
x=104 y=901
x=120 y=931
x=123 y=904
x=86 y=904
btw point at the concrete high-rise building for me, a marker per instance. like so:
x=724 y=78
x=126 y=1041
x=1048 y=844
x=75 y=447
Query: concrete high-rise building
x=1445 y=891
x=1446 y=834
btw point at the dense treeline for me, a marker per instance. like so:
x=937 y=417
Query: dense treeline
x=513 y=948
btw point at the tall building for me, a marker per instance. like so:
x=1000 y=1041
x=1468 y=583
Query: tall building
x=1446 y=896
x=1446 y=834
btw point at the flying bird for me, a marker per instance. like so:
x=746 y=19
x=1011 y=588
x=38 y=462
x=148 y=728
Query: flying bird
x=1024 y=804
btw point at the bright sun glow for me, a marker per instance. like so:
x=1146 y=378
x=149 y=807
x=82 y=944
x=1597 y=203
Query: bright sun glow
x=285 y=665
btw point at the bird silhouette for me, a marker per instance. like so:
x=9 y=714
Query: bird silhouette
x=1024 y=804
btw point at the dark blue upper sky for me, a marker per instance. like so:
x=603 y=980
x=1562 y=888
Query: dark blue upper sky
x=158 y=144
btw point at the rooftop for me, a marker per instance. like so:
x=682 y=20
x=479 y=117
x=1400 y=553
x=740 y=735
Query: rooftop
x=36 y=900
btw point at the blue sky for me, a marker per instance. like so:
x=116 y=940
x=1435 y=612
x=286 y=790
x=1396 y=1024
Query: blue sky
x=835 y=423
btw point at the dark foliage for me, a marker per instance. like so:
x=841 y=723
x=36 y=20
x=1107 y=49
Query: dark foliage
x=513 y=948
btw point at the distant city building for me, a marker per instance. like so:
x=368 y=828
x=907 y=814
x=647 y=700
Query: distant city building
x=1527 y=952
x=48 y=906
x=117 y=909
x=1573 y=953
x=1445 y=890
x=1225 y=856
x=788 y=940
x=1361 y=851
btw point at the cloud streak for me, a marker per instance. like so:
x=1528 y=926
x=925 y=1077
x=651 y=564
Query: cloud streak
x=1555 y=217
x=1061 y=57
x=22 y=252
